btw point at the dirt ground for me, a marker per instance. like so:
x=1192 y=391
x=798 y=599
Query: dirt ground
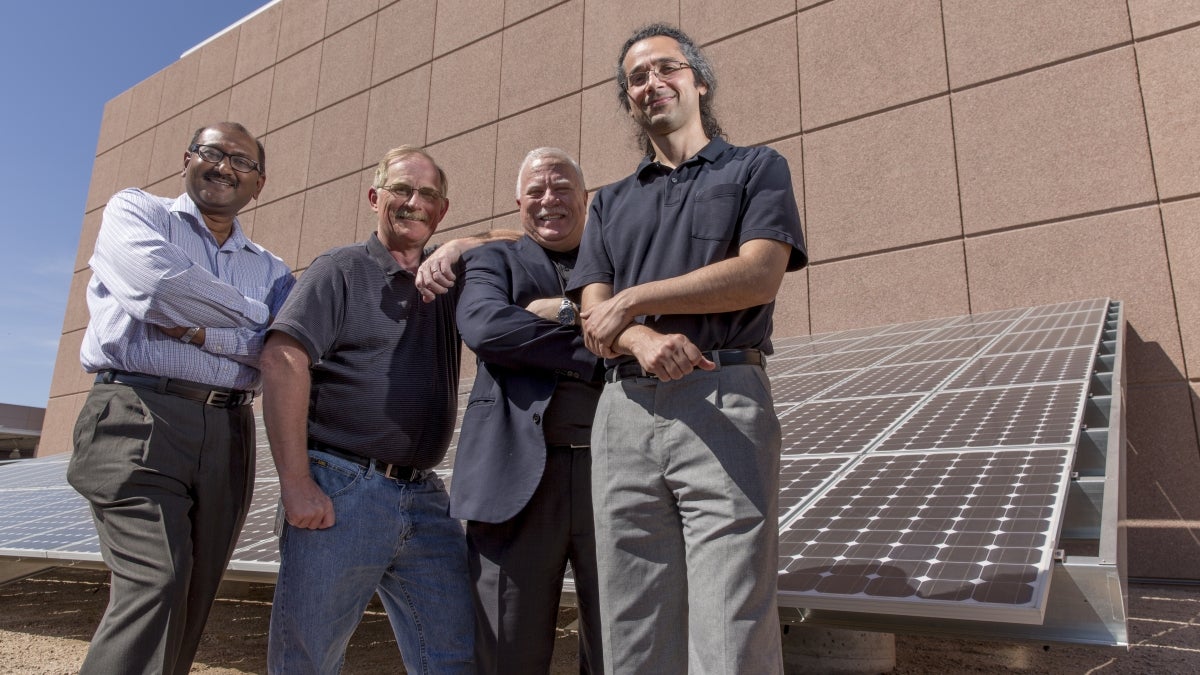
x=46 y=621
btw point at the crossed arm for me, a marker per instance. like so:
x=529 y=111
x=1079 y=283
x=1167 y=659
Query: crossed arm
x=749 y=279
x=156 y=282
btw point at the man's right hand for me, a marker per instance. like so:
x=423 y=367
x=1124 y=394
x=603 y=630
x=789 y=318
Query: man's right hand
x=669 y=357
x=306 y=504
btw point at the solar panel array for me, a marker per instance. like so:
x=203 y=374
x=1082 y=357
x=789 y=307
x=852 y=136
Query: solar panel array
x=924 y=471
x=925 y=465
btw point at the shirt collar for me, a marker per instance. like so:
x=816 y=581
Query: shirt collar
x=237 y=239
x=382 y=256
x=709 y=153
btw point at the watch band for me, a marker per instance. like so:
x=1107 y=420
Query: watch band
x=187 y=337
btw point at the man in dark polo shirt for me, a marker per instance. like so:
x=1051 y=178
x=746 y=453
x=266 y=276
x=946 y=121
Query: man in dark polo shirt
x=679 y=268
x=361 y=382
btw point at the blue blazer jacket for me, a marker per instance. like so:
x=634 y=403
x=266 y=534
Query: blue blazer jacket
x=501 y=450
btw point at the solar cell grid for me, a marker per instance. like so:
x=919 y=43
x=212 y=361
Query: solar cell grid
x=798 y=350
x=970 y=330
x=892 y=340
x=1033 y=415
x=922 y=325
x=937 y=351
x=1050 y=321
x=85 y=548
x=800 y=477
x=1026 y=368
x=1075 y=336
x=795 y=365
x=34 y=473
x=847 y=360
x=901 y=379
x=996 y=315
x=828 y=427
x=849 y=334
x=1069 y=307
x=789 y=389
x=958 y=545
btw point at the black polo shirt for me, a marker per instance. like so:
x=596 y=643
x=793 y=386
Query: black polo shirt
x=661 y=223
x=385 y=364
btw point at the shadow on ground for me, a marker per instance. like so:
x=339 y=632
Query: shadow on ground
x=46 y=621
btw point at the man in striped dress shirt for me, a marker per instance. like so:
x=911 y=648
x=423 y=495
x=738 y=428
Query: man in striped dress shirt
x=180 y=299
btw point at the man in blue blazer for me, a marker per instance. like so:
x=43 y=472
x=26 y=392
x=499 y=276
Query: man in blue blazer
x=522 y=471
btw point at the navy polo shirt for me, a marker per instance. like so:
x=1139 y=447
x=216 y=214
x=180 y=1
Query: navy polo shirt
x=661 y=223
x=384 y=363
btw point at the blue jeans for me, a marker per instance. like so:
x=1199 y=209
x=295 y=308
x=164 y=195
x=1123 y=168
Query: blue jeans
x=397 y=538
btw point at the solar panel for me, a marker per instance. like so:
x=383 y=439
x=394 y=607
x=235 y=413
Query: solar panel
x=926 y=475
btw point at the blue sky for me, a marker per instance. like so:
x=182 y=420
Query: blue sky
x=62 y=61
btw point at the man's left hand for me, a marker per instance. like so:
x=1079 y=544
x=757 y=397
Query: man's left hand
x=603 y=322
x=435 y=276
x=179 y=331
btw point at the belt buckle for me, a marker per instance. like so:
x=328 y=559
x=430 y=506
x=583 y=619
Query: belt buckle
x=391 y=474
x=220 y=399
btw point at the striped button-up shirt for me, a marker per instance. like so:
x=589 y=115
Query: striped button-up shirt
x=157 y=264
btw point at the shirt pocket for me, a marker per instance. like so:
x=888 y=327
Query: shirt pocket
x=715 y=212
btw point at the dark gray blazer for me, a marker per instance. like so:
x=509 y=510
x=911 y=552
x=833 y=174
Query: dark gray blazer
x=501 y=451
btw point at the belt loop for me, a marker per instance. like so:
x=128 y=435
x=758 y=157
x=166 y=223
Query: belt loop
x=161 y=387
x=716 y=358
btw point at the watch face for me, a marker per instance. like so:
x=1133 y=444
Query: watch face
x=566 y=314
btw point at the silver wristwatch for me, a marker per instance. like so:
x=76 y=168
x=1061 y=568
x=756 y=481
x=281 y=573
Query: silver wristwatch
x=568 y=314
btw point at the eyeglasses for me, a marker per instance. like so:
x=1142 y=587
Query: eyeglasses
x=404 y=192
x=213 y=155
x=664 y=71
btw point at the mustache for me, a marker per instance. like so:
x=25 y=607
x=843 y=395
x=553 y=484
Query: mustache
x=546 y=213
x=213 y=174
x=409 y=214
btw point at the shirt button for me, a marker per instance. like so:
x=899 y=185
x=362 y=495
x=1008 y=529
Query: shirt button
x=674 y=180
x=537 y=418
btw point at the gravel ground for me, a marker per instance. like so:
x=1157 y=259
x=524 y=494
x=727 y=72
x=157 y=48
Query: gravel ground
x=46 y=621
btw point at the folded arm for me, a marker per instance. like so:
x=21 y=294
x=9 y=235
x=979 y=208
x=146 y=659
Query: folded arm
x=504 y=333
x=749 y=279
x=668 y=356
x=155 y=281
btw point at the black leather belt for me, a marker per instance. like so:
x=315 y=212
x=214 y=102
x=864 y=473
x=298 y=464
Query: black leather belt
x=721 y=357
x=396 y=472
x=220 y=397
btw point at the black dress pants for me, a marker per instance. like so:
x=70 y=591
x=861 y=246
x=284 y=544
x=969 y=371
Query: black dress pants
x=169 y=481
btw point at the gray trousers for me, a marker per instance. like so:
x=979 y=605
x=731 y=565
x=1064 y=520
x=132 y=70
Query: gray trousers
x=518 y=568
x=685 y=482
x=169 y=481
